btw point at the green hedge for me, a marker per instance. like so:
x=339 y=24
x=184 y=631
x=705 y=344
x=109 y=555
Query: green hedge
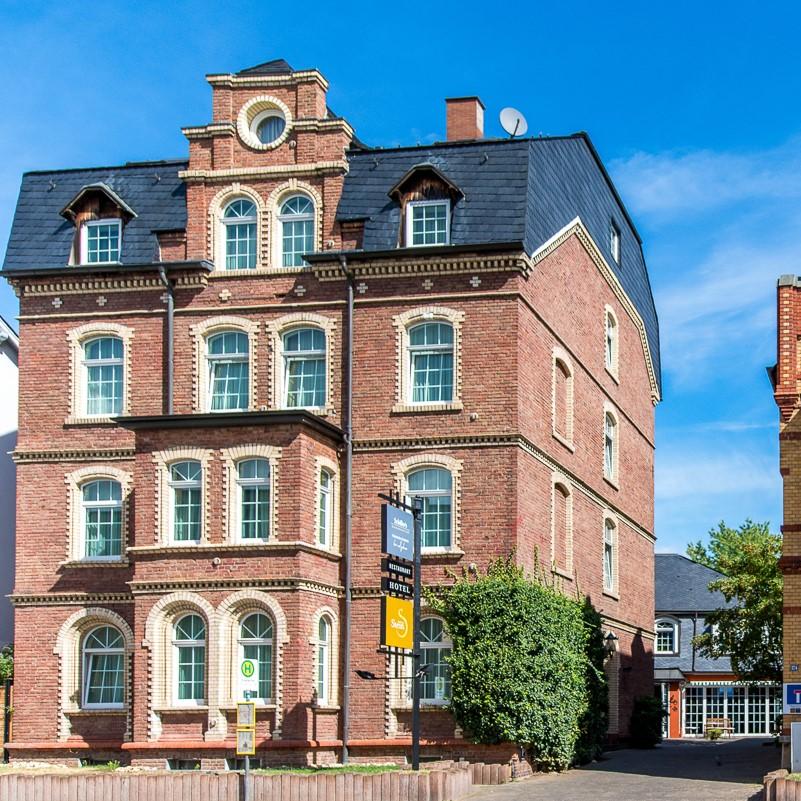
x=524 y=665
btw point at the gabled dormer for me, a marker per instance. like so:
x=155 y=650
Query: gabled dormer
x=426 y=198
x=99 y=215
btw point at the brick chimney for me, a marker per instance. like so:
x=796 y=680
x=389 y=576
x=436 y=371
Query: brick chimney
x=465 y=118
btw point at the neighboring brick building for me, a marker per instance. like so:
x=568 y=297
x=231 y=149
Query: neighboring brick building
x=694 y=687
x=506 y=368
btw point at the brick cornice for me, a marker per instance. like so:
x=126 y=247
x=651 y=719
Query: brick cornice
x=67 y=455
x=790 y=565
x=277 y=584
x=69 y=598
x=255 y=173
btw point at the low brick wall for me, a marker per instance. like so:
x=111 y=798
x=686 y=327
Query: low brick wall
x=450 y=784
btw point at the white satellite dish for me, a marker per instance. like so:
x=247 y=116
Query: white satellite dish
x=513 y=122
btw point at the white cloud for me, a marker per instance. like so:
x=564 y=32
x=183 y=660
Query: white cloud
x=677 y=182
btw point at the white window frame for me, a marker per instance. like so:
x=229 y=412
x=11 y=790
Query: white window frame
x=614 y=241
x=281 y=218
x=611 y=342
x=434 y=494
x=88 y=652
x=409 y=231
x=226 y=222
x=611 y=446
x=176 y=646
x=86 y=363
x=611 y=539
x=674 y=626
x=195 y=484
x=85 y=505
x=239 y=358
x=412 y=350
x=323 y=664
x=242 y=642
x=85 y=226
x=309 y=355
x=241 y=485
x=325 y=508
x=445 y=644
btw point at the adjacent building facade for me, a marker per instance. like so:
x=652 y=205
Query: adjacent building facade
x=9 y=361
x=695 y=688
x=185 y=428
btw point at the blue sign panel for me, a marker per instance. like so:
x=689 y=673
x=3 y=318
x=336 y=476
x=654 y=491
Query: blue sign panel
x=792 y=698
x=397 y=532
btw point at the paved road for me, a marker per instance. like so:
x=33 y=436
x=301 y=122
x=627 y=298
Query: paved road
x=731 y=770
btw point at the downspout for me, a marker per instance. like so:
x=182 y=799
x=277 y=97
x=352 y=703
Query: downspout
x=348 y=426
x=695 y=634
x=170 y=336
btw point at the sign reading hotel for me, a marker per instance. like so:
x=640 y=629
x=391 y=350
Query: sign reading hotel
x=397 y=616
x=397 y=532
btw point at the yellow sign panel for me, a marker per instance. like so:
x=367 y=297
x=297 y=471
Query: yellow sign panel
x=245 y=715
x=245 y=742
x=397 y=615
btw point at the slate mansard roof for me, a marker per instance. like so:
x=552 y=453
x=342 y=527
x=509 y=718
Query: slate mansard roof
x=682 y=586
x=523 y=190
x=511 y=191
x=41 y=238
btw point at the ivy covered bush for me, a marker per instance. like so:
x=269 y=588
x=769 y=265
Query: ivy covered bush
x=526 y=666
x=7 y=663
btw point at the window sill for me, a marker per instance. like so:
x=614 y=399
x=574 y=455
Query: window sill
x=611 y=594
x=235 y=547
x=418 y=408
x=432 y=553
x=612 y=483
x=230 y=706
x=566 y=442
x=90 y=421
x=320 y=411
x=563 y=573
x=325 y=709
x=79 y=563
x=425 y=706
x=103 y=711
x=180 y=709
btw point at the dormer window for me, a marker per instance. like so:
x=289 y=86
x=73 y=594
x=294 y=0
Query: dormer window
x=428 y=223
x=100 y=241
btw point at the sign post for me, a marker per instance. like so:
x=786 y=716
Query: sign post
x=401 y=539
x=246 y=716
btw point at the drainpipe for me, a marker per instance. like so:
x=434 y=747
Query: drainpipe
x=170 y=337
x=695 y=634
x=348 y=426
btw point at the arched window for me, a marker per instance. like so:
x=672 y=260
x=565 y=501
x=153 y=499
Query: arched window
x=296 y=219
x=304 y=368
x=269 y=125
x=239 y=223
x=610 y=555
x=103 y=669
x=667 y=637
x=101 y=508
x=103 y=376
x=325 y=509
x=189 y=644
x=434 y=485
x=431 y=363
x=610 y=446
x=324 y=671
x=186 y=501
x=256 y=644
x=610 y=342
x=253 y=481
x=227 y=357
x=435 y=685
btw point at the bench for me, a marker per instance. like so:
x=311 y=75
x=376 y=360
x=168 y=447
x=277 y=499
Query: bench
x=724 y=724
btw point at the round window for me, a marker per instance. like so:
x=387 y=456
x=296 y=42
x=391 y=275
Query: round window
x=269 y=126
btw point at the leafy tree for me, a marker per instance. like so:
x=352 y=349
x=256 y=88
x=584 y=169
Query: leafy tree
x=750 y=633
x=519 y=665
x=7 y=663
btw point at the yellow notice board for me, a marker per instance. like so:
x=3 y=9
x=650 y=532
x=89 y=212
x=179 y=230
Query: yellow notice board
x=397 y=616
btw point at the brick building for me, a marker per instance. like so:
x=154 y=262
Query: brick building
x=184 y=422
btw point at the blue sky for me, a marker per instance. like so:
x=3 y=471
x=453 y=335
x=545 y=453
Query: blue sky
x=693 y=107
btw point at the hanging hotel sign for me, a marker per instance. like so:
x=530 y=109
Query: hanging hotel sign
x=397 y=532
x=397 y=616
x=395 y=587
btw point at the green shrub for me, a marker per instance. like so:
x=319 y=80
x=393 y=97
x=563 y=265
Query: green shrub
x=645 y=730
x=595 y=720
x=519 y=665
x=714 y=734
x=7 y=663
